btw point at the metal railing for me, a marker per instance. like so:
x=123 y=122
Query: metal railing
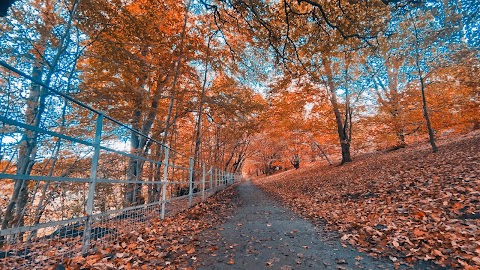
x=84 y=181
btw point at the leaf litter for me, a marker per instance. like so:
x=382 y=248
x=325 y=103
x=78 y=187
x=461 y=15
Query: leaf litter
x=171 y=243
x=408 y=205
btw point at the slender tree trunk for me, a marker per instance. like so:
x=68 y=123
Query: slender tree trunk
x=139 y=144
x=26 y=154
x=342 y=134
x=44 y=199
x=28 y=146
x=241 y=156
x=231 y=155
x=323 y=152
x=431 y=133
x=198 y=131
x=131 y=195
x=176 y=72
x=394 y=98
x=295 y=161
x=41 y=206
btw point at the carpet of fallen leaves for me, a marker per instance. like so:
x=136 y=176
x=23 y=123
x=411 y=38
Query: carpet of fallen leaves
x=410 y=204
x=167 y=244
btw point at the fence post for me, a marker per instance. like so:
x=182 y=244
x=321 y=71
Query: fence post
x=222 y=178
x=190 y=185
x=203 y=181
x=165 y=180
x=91 y=186
x=211 y=179
x=214 y=180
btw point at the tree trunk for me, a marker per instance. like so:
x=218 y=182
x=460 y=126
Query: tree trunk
x=431 y=133
x=198 y=131
x=241 y=156
x=26 y=154
x=33 y=113
x=342 y=134
x=295 y=161
x=28 y=146
x=176 y=73
x=131 y=191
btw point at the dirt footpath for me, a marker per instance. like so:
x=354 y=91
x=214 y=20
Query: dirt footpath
x=262 y=234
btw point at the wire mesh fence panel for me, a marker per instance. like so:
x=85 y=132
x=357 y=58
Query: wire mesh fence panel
x=73 y=180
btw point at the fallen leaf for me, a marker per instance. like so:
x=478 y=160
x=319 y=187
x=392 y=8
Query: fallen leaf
x=418 y=233
x=190 y=249
x=420 y=215
x=437 y=252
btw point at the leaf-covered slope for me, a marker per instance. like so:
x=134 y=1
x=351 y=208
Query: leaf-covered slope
x=410 y=204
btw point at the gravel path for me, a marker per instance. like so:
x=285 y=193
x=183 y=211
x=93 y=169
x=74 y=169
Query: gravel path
x=262 y=234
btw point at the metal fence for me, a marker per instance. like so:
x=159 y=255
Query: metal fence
x=83 y=179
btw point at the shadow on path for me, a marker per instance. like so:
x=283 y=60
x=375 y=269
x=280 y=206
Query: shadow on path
x=262 y=234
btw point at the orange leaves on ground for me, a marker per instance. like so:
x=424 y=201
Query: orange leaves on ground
x=409 y=204
x=418 y=233
x=165 y=244
x=457 y=206
x=420 y=215
x=92 y=259
x=190 y=249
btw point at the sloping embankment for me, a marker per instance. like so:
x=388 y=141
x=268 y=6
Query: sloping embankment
x=409 y=204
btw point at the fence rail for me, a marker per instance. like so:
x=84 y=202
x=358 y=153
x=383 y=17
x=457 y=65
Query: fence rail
x=67 y=183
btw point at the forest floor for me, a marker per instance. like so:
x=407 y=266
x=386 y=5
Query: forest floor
x=411 y=205
x=172 y=243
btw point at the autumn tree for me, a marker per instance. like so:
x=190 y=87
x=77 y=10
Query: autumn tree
x=308 y=37
x=286 y=120
x=231 y=116
x=433 y=31
x=49 y=46
x=144 y=60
